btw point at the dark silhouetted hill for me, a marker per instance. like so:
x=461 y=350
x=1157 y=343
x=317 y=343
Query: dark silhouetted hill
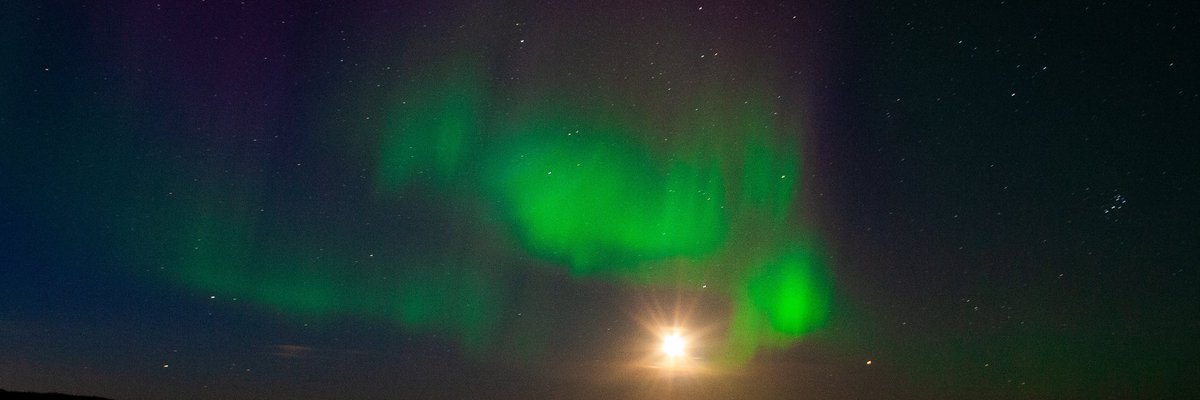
x=7 y=395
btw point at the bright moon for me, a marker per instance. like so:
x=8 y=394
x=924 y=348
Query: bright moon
x=673 y=345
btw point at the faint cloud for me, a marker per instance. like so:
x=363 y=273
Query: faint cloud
x=291 y=351
x=295 y=351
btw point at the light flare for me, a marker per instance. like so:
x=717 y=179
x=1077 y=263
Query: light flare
x=674 y=345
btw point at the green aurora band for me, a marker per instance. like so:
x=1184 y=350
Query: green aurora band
x=582 y=186
x=579 y=189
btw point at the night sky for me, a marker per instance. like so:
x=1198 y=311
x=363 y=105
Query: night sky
x=524 y=199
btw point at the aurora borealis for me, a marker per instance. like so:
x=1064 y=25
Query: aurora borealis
x=511 y=199
x=578 y=187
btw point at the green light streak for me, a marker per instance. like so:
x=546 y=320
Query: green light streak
x=586 y=193
x=601 y=191
x=791 y=292
x=424 y=297
x=783 y=299
x=434 y=124
x=768 y=177
x=583 y=194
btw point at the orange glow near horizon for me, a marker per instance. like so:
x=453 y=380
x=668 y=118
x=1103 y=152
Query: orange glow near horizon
x=675 y=345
